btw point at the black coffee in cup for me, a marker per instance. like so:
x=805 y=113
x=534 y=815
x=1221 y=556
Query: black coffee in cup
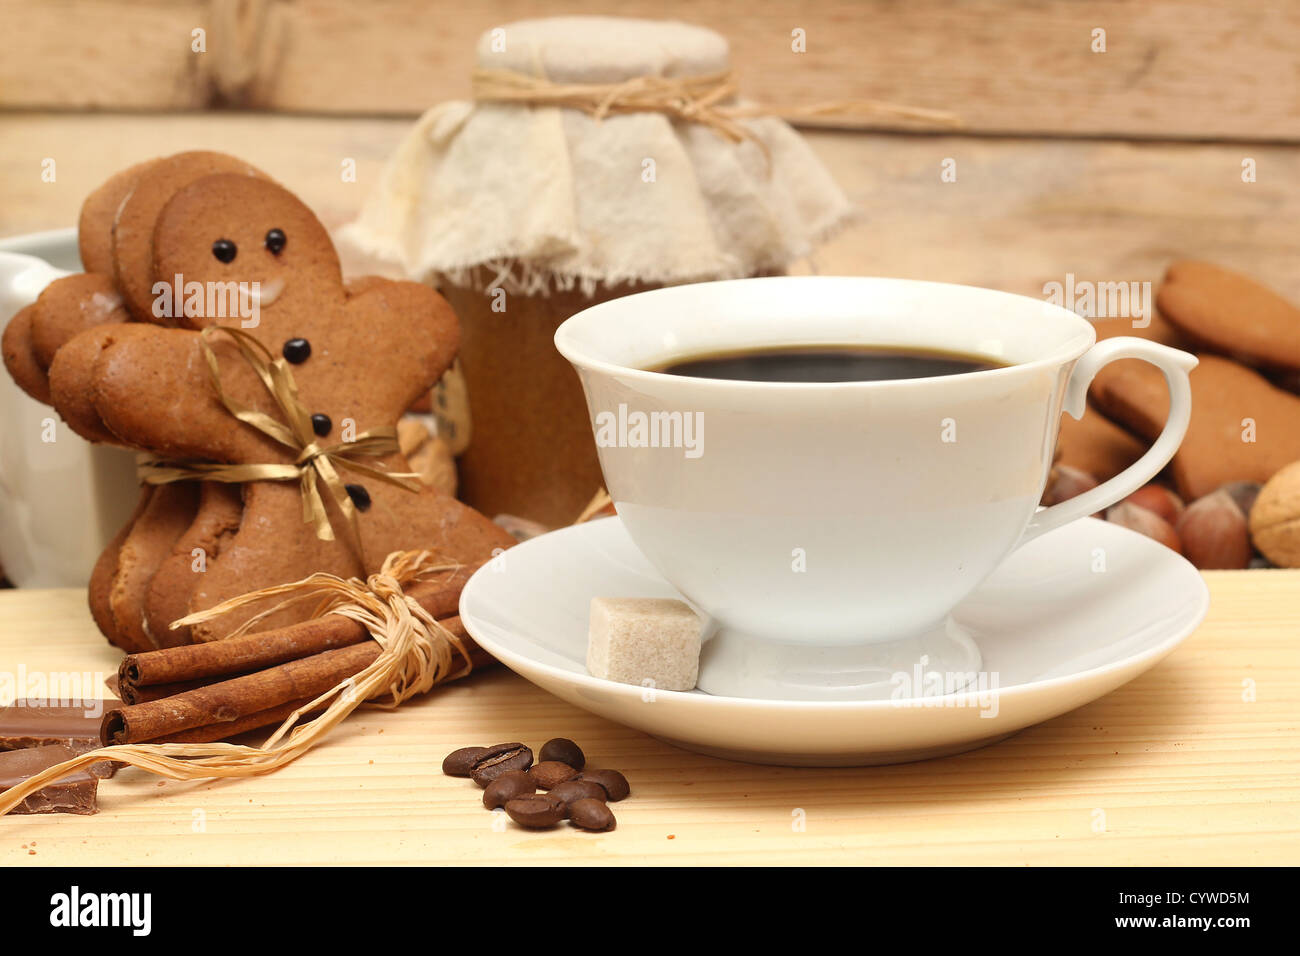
x=826 y=363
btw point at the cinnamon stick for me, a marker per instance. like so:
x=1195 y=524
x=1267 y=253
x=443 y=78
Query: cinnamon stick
x=273 y=716
x=131 y=694
x=255 y=651
x=226 y=701
x=222 y=709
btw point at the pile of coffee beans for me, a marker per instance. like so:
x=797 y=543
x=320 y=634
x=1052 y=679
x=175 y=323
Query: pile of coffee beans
x=511 y=781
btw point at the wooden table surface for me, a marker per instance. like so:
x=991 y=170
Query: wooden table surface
x=1195 y=762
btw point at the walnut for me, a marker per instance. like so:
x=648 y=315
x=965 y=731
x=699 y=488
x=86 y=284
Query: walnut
x=1275 y=518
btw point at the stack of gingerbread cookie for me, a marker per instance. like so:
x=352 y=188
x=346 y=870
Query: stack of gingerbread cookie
x=178 y=245
x=1225 y=500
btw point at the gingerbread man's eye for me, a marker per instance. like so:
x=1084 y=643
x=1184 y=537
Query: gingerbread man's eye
x=224 y=250
x=275 y=240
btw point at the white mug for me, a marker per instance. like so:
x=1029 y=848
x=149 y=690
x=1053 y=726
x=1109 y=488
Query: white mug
x=61 y=498
x=828 y=529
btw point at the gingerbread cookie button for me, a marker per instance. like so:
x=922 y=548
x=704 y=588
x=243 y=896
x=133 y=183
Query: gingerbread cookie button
x=360 y=497
x=225 y=251
x=296 y=351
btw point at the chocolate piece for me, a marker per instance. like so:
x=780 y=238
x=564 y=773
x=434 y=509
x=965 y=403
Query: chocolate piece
x=73 y=794
x=275 y=240
x=26 y=724
x=360 y=497
x=321 y=424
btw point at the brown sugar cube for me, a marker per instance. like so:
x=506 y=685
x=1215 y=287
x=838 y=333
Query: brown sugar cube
x=654 y=642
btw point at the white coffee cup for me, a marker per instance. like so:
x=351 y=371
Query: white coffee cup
x=828 y=529
x=61 y=498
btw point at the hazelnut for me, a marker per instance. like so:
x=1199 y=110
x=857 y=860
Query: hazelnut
x=1213 y=532
x=1244 y=494
x=1139 y=519
x=1275 y=518
x=1065 y=482
x=1159 y=499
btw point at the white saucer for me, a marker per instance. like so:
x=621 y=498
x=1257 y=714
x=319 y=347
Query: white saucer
x=1065 y=620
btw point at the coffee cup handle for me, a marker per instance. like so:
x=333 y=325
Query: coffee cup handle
x=1176 y=366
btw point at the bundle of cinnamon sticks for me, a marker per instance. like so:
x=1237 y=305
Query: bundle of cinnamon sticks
x=199 y=693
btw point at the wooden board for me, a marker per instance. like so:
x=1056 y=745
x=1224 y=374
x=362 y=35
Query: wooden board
x=1023 y=212
x=1171 y=68
x=1178 y=765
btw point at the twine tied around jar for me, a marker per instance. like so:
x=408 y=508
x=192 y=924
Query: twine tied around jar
x=704 y=99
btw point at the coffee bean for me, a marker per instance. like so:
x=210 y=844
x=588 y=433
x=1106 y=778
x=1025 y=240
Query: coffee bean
x=499 y=759
x=565 y=751
x=572 y=790
x=551 y=773
x=536 y=811
x=613 y=782
x=511 y=784
x=591 y=815
x=460 y=763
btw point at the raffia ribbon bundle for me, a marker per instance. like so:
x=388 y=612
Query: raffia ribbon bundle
x=327 y=666
x=314 y=464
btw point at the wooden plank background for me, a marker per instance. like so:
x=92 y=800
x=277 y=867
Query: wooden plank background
x=1177 y=69
x=1022 y=212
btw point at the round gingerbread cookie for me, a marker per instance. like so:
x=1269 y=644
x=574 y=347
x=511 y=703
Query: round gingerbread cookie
x=1231 y=314
x=98 y=212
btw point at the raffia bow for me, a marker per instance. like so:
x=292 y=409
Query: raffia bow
x=313 y=463
x=416 y=653
x=702 y=99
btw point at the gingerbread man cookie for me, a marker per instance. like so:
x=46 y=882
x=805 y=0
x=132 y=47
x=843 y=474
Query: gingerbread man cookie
x=114 y=231
x=358 y=362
